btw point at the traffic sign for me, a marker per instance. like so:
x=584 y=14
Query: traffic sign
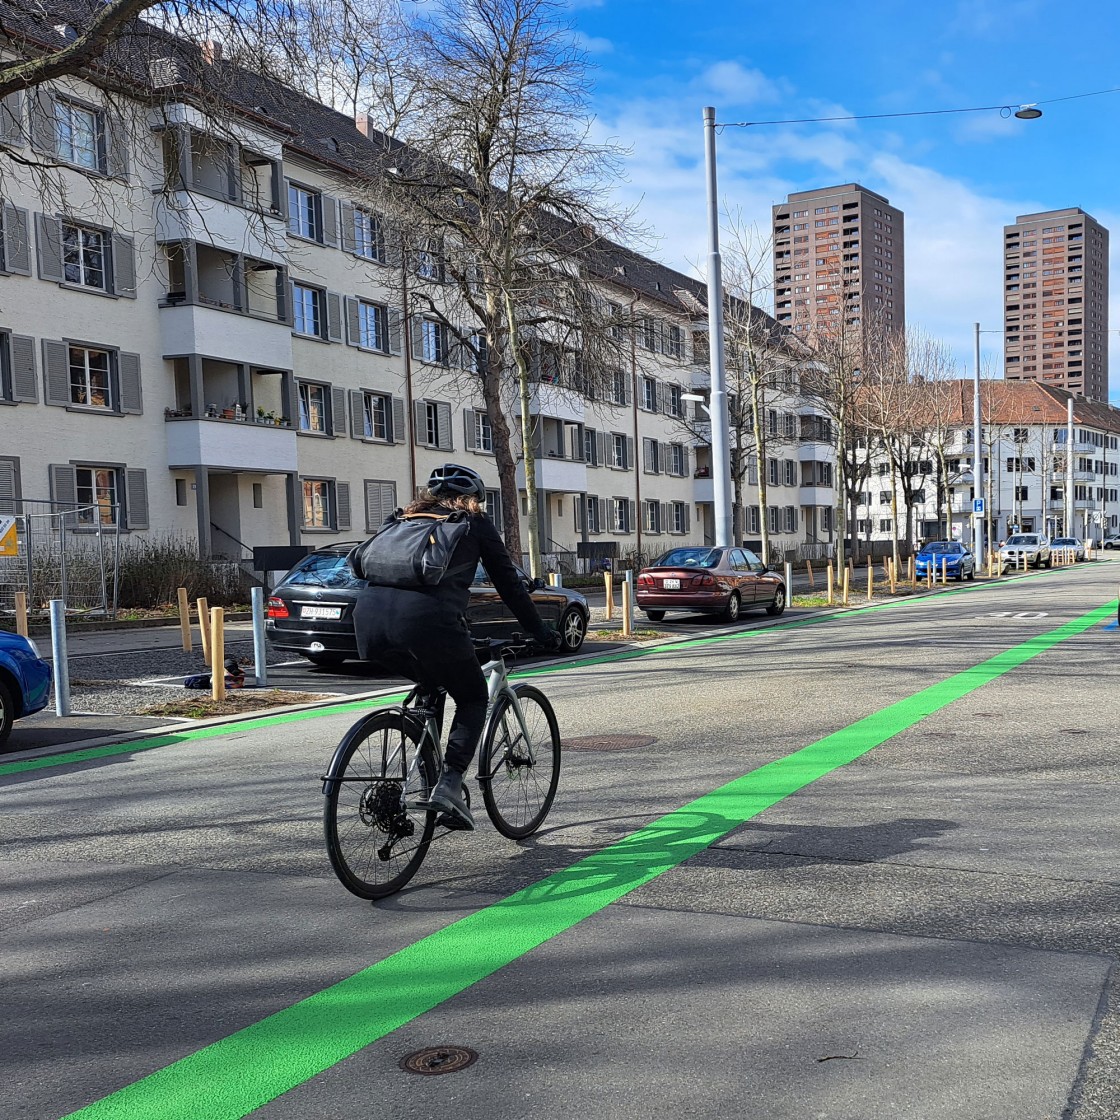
x=9 y=542
x=977 y=505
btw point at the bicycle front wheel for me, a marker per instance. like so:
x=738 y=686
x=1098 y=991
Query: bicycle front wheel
x=519 y=766
x=376 y=837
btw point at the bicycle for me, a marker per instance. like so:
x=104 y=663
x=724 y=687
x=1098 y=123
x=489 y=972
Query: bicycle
x=376 y=818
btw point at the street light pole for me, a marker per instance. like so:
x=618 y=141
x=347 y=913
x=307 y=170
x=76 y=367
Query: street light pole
x=721 y=452
x=1067 y=528
x=977 y=459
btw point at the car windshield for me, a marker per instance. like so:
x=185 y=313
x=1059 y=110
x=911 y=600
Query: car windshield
x=944 y=546
x=1070 y=541
x=322 y=569
x=689 y=558
x=1023 y=538
x=482 y=577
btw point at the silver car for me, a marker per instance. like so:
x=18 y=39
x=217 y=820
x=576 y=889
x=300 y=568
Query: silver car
x=1069 y=544
x=1031 y=548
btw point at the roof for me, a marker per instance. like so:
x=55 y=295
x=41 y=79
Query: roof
x=1026 y=403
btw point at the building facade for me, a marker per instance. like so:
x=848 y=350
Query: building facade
x=1055 y=313
x=207 y=330
x=839 y=263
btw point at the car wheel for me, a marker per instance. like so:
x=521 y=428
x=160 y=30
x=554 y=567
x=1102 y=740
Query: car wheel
x=960 y=575
x=972 y=573
x=655 y=616
x=573 y=629
x=779 y=603
x=731 y=611
x=325 y=658
x=7 y=713
x=1049 y=561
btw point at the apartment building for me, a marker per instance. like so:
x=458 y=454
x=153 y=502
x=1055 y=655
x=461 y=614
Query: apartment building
x=839 y=263
x=207 y=329
x=1025 y=441
x=1055 y=316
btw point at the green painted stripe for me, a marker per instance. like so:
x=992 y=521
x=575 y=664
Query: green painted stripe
x=255 y=1065
x=136 y=746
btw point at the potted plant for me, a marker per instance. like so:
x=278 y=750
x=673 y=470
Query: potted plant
x=261 y=414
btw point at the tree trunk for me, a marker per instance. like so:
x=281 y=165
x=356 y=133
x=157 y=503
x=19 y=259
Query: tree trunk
x=528 y=452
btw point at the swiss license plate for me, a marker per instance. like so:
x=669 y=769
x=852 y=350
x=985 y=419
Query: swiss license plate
x=671 y=584
x=320 y=612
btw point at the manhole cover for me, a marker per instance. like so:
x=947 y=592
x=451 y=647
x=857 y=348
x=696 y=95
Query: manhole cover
x=438 y=1059
x=608 y=743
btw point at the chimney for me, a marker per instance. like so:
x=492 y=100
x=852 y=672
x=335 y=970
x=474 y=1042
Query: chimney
x=364 y=124
x=211 y=51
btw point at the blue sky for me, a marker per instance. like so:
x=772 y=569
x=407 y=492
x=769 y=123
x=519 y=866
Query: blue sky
x=958 y=178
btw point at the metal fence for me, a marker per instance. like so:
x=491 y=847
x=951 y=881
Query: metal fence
x=64 y=552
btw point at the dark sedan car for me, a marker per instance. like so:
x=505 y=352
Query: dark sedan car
x=723 y=581
x=311 y=612
x=25 y=681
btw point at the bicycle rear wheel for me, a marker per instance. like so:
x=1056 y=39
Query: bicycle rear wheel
x=376 y=838
x=518 y=769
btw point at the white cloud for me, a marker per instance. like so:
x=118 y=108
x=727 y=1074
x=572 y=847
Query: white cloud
x=731 y=82
x=592 y=44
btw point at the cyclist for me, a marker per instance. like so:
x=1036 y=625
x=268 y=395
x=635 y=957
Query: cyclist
x=427 y=627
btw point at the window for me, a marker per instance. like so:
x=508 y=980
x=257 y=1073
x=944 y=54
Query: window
x=652 y=511
x=181 y=491
x=649 y=394
x=429 y=262
x=316 y=503
x=90 y=383
x=674 y=344
x=885 y=498
x=432 y=422
x=1022 y=494
x=590 y=448
x=619 y=394
x=772 y=471
x=789 y=475
x=591 y=514
x=307 y=310
x=433 y=342
x=618 y=449
x=97 y=490
x=84 y=257
x=789 y=519
x=79 y=134
x=373 y=327
x=305 y=212
x=621 y=508
x=312 y=407
x=376 y=416
x=651 y=456
x=675 y=404
x=885 y=524
x=483 y=433
x=679 y=523
x=678 y=462
x=369 y=236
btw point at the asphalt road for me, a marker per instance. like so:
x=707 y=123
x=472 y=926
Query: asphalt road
x=925 y=928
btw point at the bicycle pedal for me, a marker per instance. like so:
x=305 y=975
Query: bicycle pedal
x=453 y=823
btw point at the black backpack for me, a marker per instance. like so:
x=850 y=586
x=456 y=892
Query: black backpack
x=410 y=550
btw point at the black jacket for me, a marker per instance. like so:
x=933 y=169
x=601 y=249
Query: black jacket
x=453 y=592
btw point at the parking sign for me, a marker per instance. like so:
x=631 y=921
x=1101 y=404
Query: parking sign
x=978 y=506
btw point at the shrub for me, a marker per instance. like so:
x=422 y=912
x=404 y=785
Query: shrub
x=152 y=569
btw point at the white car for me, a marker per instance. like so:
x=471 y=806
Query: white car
x=1069 y=544
x=1034 y=548
x=1112 y=541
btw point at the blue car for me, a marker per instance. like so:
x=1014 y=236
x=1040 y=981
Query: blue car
x=25 y=681
x=959 y=562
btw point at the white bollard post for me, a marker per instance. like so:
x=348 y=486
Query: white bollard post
x=260 y=649
x=789 y=581
x=61 y=665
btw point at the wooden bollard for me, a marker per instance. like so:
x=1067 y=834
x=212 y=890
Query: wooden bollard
x=891 y=576
x=831 y=585
x=887 y=561
x=847 y=583
x=185 y=619
x=218 y=653
x=21 y=613
x=204 y=628
x=627 y=610
x=608 y=586
x=870 y=579
x=944 y=570
x=912 y=572
x=809 y=570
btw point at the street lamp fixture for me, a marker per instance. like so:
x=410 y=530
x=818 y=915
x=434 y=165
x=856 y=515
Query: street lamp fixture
x=1028 y=112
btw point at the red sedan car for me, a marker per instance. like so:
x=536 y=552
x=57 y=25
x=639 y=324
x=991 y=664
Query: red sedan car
x=723 y=581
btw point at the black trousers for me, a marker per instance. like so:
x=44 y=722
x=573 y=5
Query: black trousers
x=423 y=640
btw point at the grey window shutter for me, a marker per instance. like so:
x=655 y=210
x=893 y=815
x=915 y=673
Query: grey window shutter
x=416 y=334
x=393 y=318
x=600 y=448
x=687 y=518
x=602 y=515
x=128 y=376
x=116 y=146
x=56 y=372
x=420 y=422
x=470 y=432
x=11 y=120
x=338 y=411
x=342 y=504
x=357 y=414
x=373 y=504
x=629 y=453
x=48 y=239
x=443 y=426
x=666 y=514
x=647 y=456
x=25 y=385
x=398 y=434
x=233 y=170
x=665 y=457
x=658 y=397
x=43 y=134
x=334 y=316
x=630 y=522
x=627 y=389
x=293 y=219
x=330 y=220
x=64 y=486
x=17 y=240
x=285 y=298
x=124 y=266
x=8 y=493
x=136 y=498
x=346 y=231
x=353 y=331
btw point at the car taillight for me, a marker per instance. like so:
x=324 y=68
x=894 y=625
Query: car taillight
x=277 y=608
x=645 y=581
x=703 y=581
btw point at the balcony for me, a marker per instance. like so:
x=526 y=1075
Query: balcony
x=196 y=329
x=817 y=495
x=558 y=403
x=230 y=445
x=188 y=216
x=703 y=489
x=815 y=451
x=564 y=476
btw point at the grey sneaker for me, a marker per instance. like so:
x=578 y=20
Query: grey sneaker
x=448 y=796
